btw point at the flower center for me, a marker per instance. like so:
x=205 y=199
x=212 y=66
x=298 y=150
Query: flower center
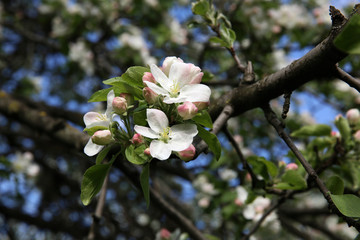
x=174 y=89
x=165 y=134
x=102 y=117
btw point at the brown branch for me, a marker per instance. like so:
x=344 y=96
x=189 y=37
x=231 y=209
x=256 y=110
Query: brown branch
x=277 y=124
x=344 y=76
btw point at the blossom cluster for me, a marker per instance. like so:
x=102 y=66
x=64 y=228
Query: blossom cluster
x=171 y=96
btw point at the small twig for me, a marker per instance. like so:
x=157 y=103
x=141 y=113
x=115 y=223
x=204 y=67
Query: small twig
x=249 y=75
x=277 y=124
x=344 y=76
x=98 y=211
x=286 y=106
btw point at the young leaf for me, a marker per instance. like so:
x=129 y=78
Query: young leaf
x=103 y=154
x=348 y=204
x=292 y=180
x=347 y=41
x=203 y=119
x=263 y=167
x=136 y=155
x=140 y=117
x=201 y=7
x=335 y=185
x=100 y=95
x=211 y=140
x=92 y=181
x=344 y=128
x=145 y=184
x=313 y=130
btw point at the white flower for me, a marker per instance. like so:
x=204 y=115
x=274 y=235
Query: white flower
x=242 y=195
x=100 y=122
x=178 y=87
x=227 y=174
x=168 y=139
x=256 y=209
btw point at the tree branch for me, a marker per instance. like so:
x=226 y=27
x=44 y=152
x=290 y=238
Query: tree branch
x=353 y=82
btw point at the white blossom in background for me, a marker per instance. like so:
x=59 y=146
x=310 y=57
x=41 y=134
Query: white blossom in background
x=227 y=174
x=45 y=9
x=37 y=82
x=143 y=219
x=280 y=59
x=136 y=41
x=332 y=222
x=344 y=87
x=241 y=195
x=152 y=3
x=81 y=54
x=59 y=28
x=321 y=14
x=290 y=16
x=178 y=33
x=255 y=210
x=24 y=163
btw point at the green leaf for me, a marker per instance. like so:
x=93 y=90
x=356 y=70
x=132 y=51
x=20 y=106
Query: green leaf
x=102 y=154
x=313 y=130
x=100 y=95
x=92 y=181
x=136 y=155
x=220 y=41
x=344 y=128
x=123 y=85
x=348 y=40
x=211 y=140
x=134 y=75
x=92 y=130
x=203 y=119
x=201 y=7
x=228 y=35
x=262 y=167
x=348 y=204
x=145 y=184
x=335 y=185
x=292 y=180
x=140 y=117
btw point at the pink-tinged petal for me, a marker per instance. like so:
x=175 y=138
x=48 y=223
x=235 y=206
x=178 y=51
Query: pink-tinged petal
x=109 y=108
x=170 y=100
x=157 y=120
x=157 y=89
x=180 y=73
x=92 y=119
x=160 y=77
x=197 y=78
x=92 y=149
x=160 y=150
x=195 y=93
x=180 y=142
x=187 y=129
x=168 y=62
x=146 y=132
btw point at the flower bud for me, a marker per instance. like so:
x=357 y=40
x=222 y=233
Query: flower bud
x=119 y=105
x=148 y=77
x=187 y=110
x=149 y=95
x=102 y=137
x=292 y=166
x=137 y=139
x=357 y=136
x=129 y=98
x=353 y=116
x=164 y=234
x=147 y=152
x=204 y=202
x=201 y=105
x=187 y=154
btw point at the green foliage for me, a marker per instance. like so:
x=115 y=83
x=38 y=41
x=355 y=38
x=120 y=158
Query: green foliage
x=102 y=154
x=136 y=155
x=203 y=119
x=313 y=130
x=263 y=167
x=291 y=180
x=211 y=140
x=335 y=185
x=348 y=204
x=92 y=130
x=348 y=40
x=344 y=128
x=145 y=184
x=100 y=95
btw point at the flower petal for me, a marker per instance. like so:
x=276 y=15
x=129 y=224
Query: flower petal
x=109 y=108
x=92 y=119
x=146 y=132
x=157 y=89
x=160 y=150
x=160 y=77
x=157 y=120
x=187 y=129
x=195 y=93
x=180 y=142
x=92 y=149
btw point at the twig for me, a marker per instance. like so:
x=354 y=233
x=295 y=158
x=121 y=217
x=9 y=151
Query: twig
x=98 y=211
x=277 y=124
x=286 y=106
x=353 y=82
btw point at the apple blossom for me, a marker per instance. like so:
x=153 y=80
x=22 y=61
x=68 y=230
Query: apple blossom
x=256 y=209
x=353 y=116
x=187 y=154
x=102 y=137
x=178 y=87
x=201 y=105
x=166 y=139
x=149 y=95
x=137 y=139
x=168 y=61
x=119 y=105
x=148 y=77
x=129 y=98
x=147 y=151
x=357 y=136
x=291 y=166
x=187 y=110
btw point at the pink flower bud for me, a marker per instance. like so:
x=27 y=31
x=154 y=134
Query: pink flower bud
x=102 y=137
x=353 y=116
x=165 y=234
x=187 y=110
x=335 y=134
x=148 y=77
x=129 y=98
x=292 y=166
x=149 y=95
x=357 y=136
x=119 y=105
x=201 y=105
x=204 y=202
x=137 y=139
x=187 y=154
x=147 y=151
x=238 y=202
